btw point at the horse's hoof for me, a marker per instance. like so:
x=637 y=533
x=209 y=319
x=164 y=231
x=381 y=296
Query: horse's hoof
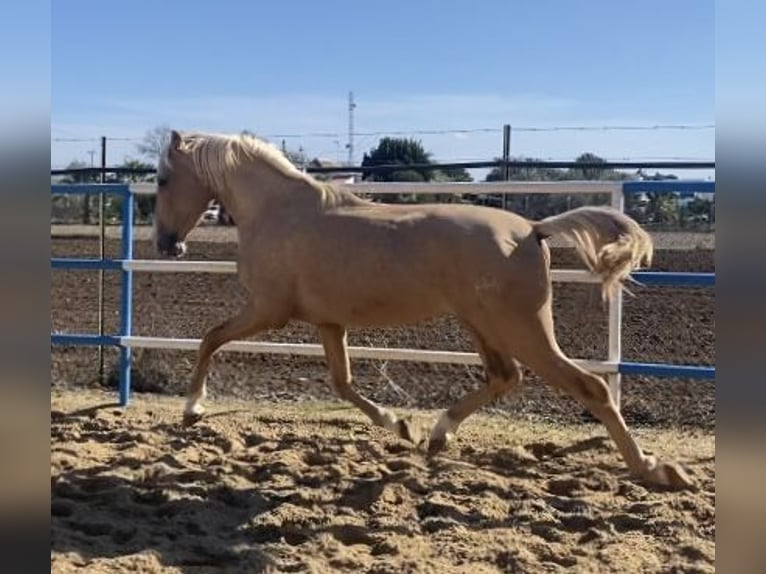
x=437 y=444
x=670 y=475
x=191 y=418
x=409 y=432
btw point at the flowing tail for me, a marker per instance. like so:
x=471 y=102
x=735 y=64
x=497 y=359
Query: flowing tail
x=610 y=243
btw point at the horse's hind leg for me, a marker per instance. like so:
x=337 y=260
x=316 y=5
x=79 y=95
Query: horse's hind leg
x=246 y=323
x=503 y=374
x=336 y=351
x=536 y=347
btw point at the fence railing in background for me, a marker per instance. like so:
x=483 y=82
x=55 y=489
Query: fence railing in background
x=613 y=366
x=511 y=164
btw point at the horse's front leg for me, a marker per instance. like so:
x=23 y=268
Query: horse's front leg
x=248 y=322
x=336 y=351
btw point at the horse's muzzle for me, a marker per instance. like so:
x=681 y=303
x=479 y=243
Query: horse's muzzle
x=169 y=246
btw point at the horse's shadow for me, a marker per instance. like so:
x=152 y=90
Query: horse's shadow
x=185 y=525
x=61 y=416
x=186 y=515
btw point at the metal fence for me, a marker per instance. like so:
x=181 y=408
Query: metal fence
x=612 y=366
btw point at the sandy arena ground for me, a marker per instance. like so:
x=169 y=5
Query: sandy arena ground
x=278 y=488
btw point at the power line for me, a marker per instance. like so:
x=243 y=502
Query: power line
x=616 y=128
x=656 y=127
x=449 y=131
x=430 y=132
x=85 y=140
x=74 y=139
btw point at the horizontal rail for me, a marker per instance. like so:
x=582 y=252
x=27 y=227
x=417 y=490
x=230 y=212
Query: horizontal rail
x=648 y=278
x=84 y=340
x=170 y=266
x=574 y=276
x=493 y=187
x=314 y=350
x=683 y=187
x=374 y=353
x=662 y=370
x=143 y=188
x=109 y=264
x=515 y=163
x=89 y=188
x=520 y=164
x=454 y=188
x=674 y=279
x=669 y=185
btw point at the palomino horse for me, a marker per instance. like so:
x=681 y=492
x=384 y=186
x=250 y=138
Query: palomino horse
x=310 y=252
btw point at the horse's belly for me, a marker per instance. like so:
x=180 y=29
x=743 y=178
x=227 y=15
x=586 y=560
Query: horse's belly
x=373 y=310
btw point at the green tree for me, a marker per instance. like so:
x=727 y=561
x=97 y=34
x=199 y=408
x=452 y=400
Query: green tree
x=136 y=164
x=700 y=210
x=79 y=177
x=398 y=152
x=589 y=173
x=658 y=176
x=525 y=173
x=535 y=205
x=449 y=175
x=456 y=174
x=540 y=205
x=662 y=208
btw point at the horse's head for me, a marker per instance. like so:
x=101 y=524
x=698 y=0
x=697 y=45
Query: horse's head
x=182 y=197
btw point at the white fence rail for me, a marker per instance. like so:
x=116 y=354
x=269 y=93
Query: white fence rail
x=230 y=267
x=456 y=188
x=314 y=350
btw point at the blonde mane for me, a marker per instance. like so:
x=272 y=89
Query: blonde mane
x=215 y=156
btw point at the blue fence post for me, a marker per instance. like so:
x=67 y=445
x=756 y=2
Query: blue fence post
x=126 y=307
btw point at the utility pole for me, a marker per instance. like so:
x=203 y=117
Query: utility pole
x=86 y=197
x=350 y=144
x=506 y=159
x=101 y=252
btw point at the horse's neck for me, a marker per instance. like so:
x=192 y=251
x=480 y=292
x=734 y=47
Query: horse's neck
x=254 y=192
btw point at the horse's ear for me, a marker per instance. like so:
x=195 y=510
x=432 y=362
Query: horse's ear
x=175 y=140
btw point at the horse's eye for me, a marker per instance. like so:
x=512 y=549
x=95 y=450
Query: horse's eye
x=162 y=181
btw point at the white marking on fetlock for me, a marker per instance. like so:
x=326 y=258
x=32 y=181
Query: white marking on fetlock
x=193 y=407
x=650 y=463
x=444 y=429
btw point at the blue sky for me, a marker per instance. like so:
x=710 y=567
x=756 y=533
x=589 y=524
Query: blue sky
x=120 y=68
